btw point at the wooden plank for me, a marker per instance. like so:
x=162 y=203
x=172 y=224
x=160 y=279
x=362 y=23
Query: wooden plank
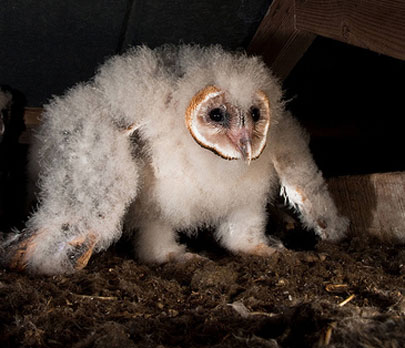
x=32 y=117
x=378 y=25
x=375 y=204
x=278 y=41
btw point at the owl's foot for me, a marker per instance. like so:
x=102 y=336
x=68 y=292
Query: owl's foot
x=22 y=250
x=263 y=250
x=83 y=249
x=185 y=257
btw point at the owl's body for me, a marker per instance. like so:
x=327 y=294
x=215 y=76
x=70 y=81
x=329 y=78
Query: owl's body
x=162 y=140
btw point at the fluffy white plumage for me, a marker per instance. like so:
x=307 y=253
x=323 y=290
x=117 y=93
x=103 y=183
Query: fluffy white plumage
x=117 y=150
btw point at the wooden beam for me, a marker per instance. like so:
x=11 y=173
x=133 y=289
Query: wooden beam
x=278 y=41
x=378 y=25
x=374 y=203
x=32 y=117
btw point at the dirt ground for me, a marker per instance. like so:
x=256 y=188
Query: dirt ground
x=345 y=295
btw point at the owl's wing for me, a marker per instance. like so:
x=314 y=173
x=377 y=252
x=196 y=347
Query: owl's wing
x=302 y=183
x=86 y=178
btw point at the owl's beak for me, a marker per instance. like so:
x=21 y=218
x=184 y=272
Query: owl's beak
x=242 y=140
x=245 y=148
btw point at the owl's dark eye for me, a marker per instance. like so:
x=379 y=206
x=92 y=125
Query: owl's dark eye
x=217 y=115
x=255 y=112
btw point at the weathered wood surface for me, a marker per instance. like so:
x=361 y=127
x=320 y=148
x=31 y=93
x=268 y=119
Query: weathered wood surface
x=374 y=203
x=32 y=116
x=290 y=26
x=278 y=41
x=378 y=25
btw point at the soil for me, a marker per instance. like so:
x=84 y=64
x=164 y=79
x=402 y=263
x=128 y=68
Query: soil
x=337 y=295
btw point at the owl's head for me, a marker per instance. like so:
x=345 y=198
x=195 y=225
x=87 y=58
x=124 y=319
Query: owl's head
x=230 y=131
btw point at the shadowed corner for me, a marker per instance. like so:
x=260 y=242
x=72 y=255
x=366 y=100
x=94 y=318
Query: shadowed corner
x=13 y=158
x=284 y=225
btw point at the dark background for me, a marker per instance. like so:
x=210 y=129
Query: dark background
x=350 y=99
x=47 y=46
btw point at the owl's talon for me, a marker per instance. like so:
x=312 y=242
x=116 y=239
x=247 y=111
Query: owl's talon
x=185 y=257
x=83 y=249
x=263 y=250
x=21 y=254
x=22 y=249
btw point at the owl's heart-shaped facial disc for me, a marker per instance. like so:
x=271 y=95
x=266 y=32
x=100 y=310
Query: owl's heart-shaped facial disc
x=226 y=129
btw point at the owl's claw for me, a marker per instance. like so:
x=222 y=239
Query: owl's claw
x=21 y=254
x=83 y=249
x=263 y=250
x=79 y=254
x=185 y=257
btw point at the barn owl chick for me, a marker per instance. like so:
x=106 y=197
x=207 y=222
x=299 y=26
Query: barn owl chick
x=163 y=140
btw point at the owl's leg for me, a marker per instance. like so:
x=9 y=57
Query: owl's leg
x=87 y=177
x=243 y=231
x=156 y=243
x=302 y=183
